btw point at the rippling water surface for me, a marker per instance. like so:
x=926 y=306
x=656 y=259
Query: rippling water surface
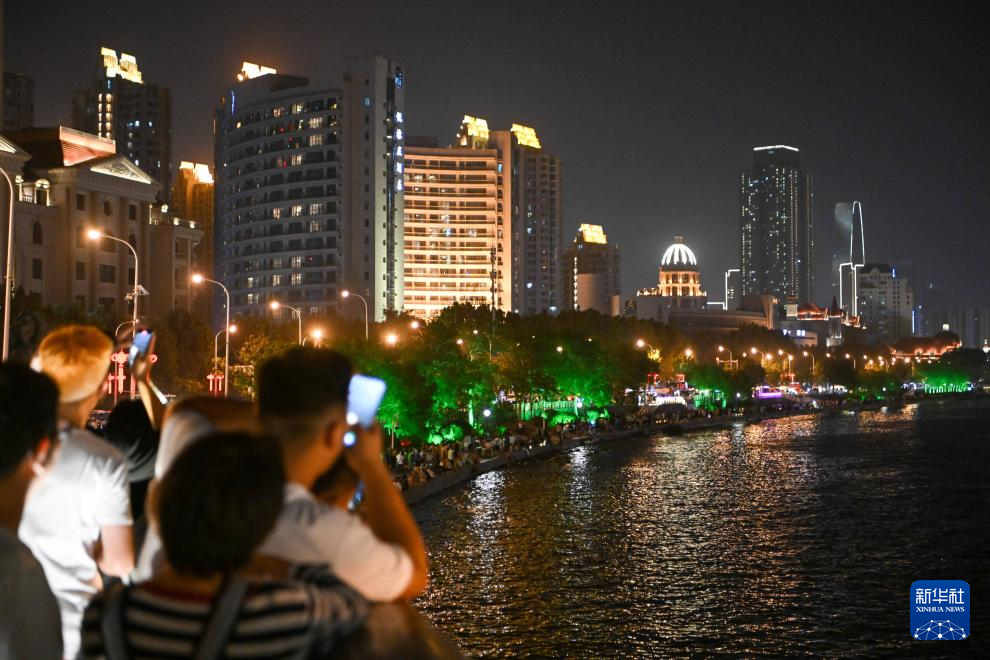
x=793 y=536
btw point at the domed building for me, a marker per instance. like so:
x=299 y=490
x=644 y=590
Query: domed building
x=679 y=278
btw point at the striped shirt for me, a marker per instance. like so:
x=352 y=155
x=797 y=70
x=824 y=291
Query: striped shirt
x=287 y=619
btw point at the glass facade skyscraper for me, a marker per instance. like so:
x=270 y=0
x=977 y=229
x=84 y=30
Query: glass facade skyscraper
x=776 y=226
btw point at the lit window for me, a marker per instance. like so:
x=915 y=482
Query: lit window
x=297 y=262
x=296 y=210
x=297 y=108
x=315 y=226
x=296 y=159
x=277 y=262
x=276 y=213
x=316 y=140
x=316 y=208
x=276 y=280
x=315 y=122
x=296 y=279
x=367 y=101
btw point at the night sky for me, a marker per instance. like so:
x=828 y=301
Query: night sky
x=654 y=106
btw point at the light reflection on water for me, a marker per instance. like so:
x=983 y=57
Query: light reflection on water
x=766 y=538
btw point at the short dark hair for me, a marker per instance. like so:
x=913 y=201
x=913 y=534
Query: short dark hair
x=28 y=412
x=218 y=501
x=302 y=383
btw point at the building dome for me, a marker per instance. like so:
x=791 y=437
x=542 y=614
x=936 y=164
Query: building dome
x=679 y=255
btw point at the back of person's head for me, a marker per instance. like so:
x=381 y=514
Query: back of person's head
x=28 y=409
x=77 y=358
x=129 y=429
x=218 y=501
x=298 y=389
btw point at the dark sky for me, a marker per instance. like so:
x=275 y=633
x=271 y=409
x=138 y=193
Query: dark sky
x=654 y=106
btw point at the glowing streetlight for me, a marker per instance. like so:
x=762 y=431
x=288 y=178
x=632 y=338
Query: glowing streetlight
x=560 y=349
x=812 y=356
x=275 y=305
x=198 y=278
x=688 y=353
x=391 y=339
x=232 y=329
x=316 y=336
x=8 y=280
x=345 y=294
x=459 y=342
x=723 y=349
x=414 y=325
x=486 y=412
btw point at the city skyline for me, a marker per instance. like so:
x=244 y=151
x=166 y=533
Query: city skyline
x=882 y=110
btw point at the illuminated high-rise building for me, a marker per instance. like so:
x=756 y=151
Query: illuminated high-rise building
x=456 y=230
x=886 y=303
x=309 y=189
x=136 y=114
x=192 y=200
x=591 y=273
x=531 y=182
x=777 y=226
x=848 y=255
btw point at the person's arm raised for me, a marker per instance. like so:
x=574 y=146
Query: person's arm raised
x=385 y=510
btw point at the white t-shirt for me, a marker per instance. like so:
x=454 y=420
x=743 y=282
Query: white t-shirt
x=309 y=531
x=85 y=490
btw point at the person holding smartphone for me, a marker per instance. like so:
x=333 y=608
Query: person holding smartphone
x=303 y=403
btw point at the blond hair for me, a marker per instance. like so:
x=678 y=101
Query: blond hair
x=77 y=358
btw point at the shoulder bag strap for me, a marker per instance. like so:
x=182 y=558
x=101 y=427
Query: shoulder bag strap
x=112 y=623
x=223 y=618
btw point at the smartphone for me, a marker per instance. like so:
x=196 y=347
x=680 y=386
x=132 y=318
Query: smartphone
x=364 y=395
x=140 y=345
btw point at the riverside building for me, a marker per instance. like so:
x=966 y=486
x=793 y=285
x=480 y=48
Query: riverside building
x=776 y=228
x=591 y=277
x=137 y=115
x=456 y=231
x=309 y=189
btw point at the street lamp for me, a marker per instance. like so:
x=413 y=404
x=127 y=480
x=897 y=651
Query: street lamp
x=560 y=349
x=723 y=349
x=391 y=339
x=199 y=279
x=688 y=353
x=812 y=356
x=8 y=280
x=347 y=294
x=275 y=305
x=95 y=235
x=316 y=336
x=216 y=338
x=850 y=357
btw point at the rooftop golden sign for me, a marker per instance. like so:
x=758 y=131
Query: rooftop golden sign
x=124 y=66
x=251 y=70
x=525 y=136
x=592 y=234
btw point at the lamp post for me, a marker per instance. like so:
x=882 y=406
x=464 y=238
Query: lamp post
x=216 y=338
x=95 y=235
x=853 y=358
x=723 y=349
x=316 y=336
x=199 y=279
x=391 y=339
x=812 y=356
x=347 y=294
x=8 y=280
x=276 y=304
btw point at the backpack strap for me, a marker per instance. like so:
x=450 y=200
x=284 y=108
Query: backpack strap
x=112 y=623
x=223 y=618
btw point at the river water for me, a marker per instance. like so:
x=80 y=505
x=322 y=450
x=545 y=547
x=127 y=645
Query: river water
x=797 y=536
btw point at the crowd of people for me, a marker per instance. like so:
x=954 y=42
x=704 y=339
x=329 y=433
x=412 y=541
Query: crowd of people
x=199 y=528
x=414 y=466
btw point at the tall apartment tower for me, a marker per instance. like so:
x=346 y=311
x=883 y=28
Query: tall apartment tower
x=18 y=101
x=374 y=132
x=777 y=226
x=531 y=184
x=192 y=200
x=886 y=303
x=456 y=231
x=309 y=189
x=591 y=272
x=121 y=106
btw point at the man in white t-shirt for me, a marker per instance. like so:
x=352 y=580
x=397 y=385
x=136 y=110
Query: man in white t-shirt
x=78 y=520
x=30 y=626
x=302 y=401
